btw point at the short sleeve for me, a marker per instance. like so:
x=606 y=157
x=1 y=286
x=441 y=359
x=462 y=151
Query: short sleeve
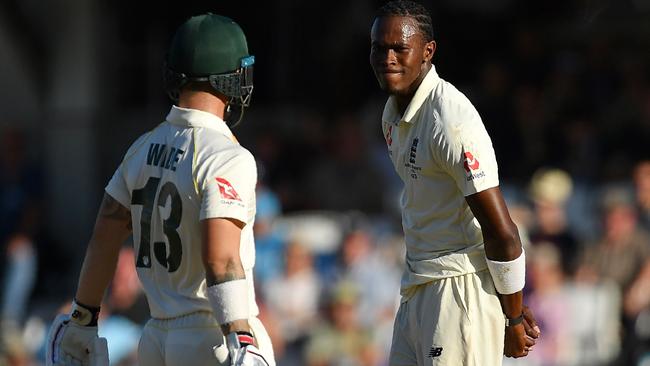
x=118 y=189
x=117 y=186
x=465 y=151
x=227 y=187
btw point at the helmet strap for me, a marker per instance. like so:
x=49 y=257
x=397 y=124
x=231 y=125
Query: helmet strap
x=233 y=114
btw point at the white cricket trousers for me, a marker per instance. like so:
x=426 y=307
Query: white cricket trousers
x=455 y=321
x=188 y=341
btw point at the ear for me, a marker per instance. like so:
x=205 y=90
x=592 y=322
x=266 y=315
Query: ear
x=429 y=50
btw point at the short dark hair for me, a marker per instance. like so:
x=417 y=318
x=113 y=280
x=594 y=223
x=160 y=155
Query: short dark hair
x=411 y=9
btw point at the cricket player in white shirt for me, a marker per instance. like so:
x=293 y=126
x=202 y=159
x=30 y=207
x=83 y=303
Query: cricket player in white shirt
x=461 y=290
x=186 y=192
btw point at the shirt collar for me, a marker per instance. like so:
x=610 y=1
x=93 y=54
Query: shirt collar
x=391 y=113
x=186 y=117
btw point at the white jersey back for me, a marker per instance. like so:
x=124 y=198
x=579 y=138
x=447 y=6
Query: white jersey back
x=442 y=152
x=188 y=168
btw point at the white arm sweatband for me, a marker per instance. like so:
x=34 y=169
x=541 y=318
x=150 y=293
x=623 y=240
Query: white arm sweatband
x=229 y=300
x=509 y=277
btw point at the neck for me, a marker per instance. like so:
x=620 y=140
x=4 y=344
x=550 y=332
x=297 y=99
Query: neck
x=203 y=101
x=403 y=100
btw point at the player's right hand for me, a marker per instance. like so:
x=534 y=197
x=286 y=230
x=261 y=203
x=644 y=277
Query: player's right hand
x=517 y=342
x=239 y=350
x=69 y=343
x=530 y=323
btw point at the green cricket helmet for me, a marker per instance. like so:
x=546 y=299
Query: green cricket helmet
x=211 y=48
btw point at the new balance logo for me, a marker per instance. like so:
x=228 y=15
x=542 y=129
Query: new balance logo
x=435 y=352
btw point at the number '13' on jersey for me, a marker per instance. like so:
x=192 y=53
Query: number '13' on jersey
x=146 y=197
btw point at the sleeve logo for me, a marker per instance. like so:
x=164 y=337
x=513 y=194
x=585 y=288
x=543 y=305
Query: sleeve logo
x=472 y=167
x=389 y=135
x=470 y=163
x=227 y=191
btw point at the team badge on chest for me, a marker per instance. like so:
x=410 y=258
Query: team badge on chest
x=410 y=164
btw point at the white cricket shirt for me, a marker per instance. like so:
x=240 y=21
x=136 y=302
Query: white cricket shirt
x=442 y=152
x=189 y=168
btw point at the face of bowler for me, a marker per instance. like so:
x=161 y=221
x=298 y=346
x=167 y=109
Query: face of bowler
x=400 y=55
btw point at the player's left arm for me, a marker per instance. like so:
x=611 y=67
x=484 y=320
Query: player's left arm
x=506 y=260
x=112 y=228
x=500 y=234
x=73 y=338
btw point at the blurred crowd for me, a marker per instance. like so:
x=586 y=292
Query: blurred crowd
x=328 y=281
x=568 y=110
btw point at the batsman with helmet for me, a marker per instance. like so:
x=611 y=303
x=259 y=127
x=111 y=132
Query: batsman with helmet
x=186 y=192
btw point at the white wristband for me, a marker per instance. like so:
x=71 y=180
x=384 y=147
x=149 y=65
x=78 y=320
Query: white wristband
x=509 y=277
x=229 y=300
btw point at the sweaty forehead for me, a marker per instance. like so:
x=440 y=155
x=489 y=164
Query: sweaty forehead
x=395 y=29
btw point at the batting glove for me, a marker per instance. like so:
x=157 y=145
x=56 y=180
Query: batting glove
x=239 y=350
x=73 y=339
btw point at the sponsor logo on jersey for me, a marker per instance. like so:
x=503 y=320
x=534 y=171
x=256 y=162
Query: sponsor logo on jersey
x=471 y=163
x=227 y=191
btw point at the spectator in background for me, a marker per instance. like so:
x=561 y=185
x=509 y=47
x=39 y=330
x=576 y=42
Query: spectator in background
x=548 y=299
x=343 y=179
x=293 y=299
x=342 y=340
x=269 y=245
x=126 y=311
x=361 y=263
x=20 y=209
x=622 y=256
x=580 y=321
x=126 y=297
x=642 y=186
x=624 y=250
x=549 y=190
x=375 y=273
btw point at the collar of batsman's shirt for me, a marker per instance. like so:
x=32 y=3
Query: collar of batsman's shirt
x=186 y=117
